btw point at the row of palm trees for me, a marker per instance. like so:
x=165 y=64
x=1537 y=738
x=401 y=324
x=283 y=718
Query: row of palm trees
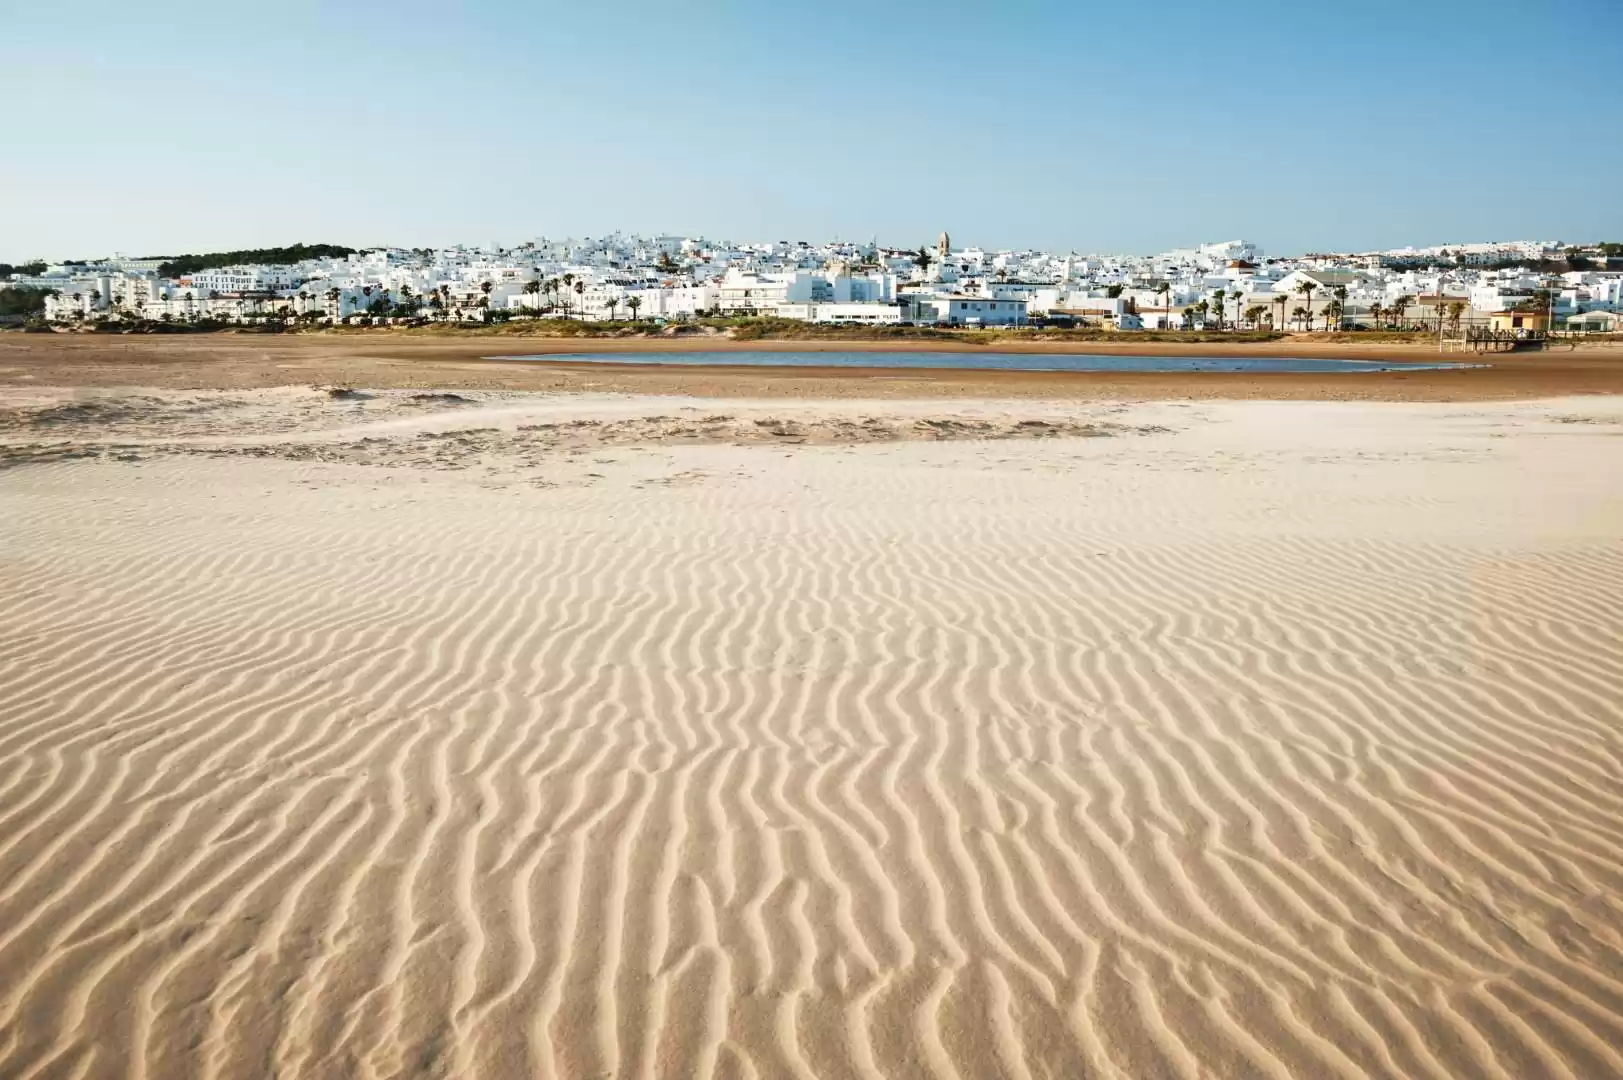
x=1383 y=315
x=379 y=300
x=444 y=306
x=1216 y=307
x=552 y=287
x=1334 y=312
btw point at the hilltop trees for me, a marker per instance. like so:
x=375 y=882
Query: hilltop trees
x=183 y=265
x=24 y=301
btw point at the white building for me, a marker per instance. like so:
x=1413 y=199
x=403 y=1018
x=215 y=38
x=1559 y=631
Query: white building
x=243 y=279
x=680 y=302
x=749 y=292
x=929 y=310
x=849 y=314
x=1596 y=322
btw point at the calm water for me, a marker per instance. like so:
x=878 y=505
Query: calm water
x=987 y=360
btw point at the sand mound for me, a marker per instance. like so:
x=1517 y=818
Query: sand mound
x=1285 y=741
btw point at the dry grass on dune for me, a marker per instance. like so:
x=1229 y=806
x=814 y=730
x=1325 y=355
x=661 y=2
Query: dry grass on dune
x=1257 y=741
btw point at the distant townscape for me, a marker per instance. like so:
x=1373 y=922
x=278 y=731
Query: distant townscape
x=1230 y=285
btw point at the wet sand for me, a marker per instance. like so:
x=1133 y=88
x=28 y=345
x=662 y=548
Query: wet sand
x=241 y=361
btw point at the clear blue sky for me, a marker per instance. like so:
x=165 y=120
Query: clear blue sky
x=161 y=128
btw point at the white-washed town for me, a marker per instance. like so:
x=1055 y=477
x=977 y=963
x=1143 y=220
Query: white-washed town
x=1231 y=285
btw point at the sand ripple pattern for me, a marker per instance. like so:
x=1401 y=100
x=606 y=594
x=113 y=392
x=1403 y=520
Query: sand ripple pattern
x=886 y=763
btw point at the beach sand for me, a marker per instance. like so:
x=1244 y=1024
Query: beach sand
x=506 y=734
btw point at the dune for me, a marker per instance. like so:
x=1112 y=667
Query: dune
x=515 y=735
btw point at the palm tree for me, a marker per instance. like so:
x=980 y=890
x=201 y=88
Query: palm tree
x=568 y=281
x=634 y=302
x=1281 y=300
x=1164 y=290
x=332 y=303
x=580 y=289
x=1375 y=313
x=533 y=288
x=1332 y=313
x=1396 y=311
x=1217 y=307
x=1300 y=314
x=611 y=303
x=1306 y=290
x=1341 y=304
x=1255 y=312
x=1456 y=309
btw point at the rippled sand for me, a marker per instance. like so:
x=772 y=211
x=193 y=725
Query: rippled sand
x=423 y=739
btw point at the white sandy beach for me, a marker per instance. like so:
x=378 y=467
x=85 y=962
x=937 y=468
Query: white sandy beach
x=567 y=736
